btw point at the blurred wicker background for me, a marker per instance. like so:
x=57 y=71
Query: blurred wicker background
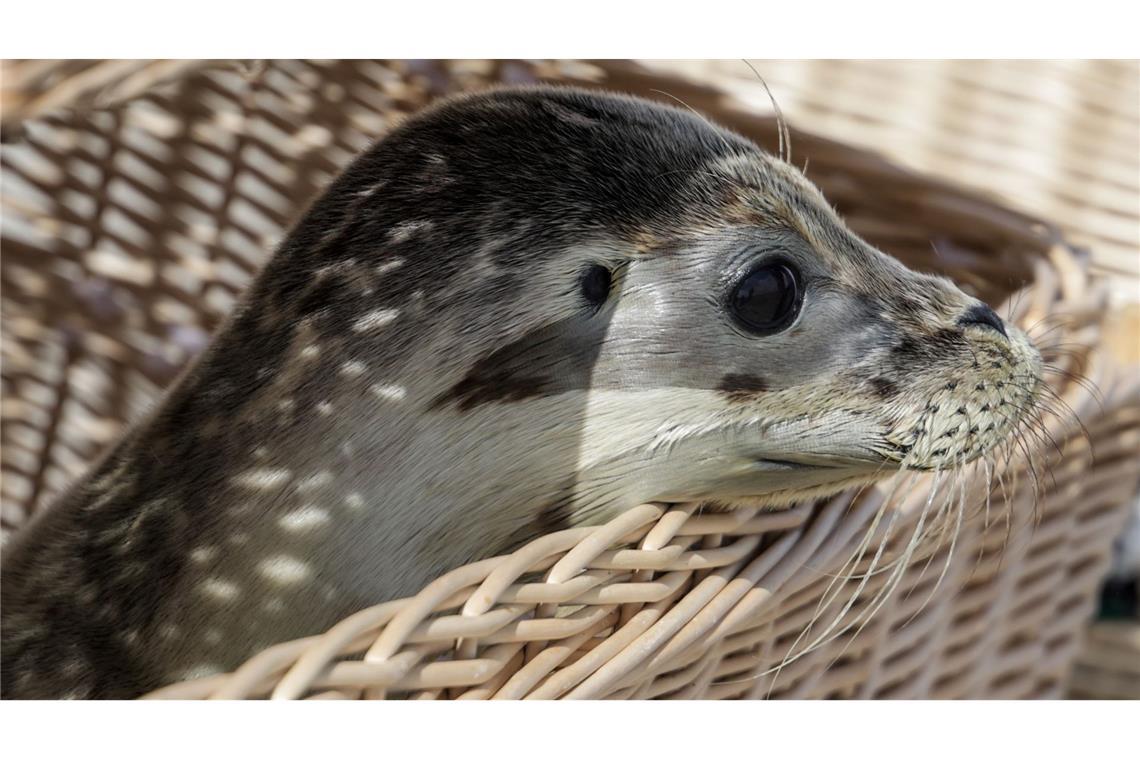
x=139 y=197
x=1057 y=139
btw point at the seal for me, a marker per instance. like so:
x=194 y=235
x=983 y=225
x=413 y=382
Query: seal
x=521 y=310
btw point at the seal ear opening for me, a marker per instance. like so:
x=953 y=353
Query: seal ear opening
x=595 y=284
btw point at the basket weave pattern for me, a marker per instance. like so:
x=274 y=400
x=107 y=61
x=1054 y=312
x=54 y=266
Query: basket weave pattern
x=132 y=220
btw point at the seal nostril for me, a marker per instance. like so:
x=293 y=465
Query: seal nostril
x=980 y=314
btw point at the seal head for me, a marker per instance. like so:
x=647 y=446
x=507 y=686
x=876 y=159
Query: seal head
x=520 y=311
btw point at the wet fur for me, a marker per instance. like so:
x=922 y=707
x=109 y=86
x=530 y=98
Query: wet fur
x=414 y=381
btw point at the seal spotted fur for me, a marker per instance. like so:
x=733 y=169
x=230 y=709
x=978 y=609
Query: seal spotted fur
x=515 y=313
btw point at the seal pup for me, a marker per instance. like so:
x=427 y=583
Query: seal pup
x=520 y=311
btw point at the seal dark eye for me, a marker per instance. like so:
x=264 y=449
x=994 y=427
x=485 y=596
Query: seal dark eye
x=595 y=285
x=767 y=299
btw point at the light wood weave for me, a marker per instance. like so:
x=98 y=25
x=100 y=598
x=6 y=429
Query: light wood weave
x=137 y=207
x=1057 y=138
x=1109 y=664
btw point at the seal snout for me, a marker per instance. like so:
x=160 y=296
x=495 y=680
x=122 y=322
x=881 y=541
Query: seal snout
x=982 y=315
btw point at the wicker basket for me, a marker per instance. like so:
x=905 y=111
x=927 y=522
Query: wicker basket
x=1109 y=663
x=139 y=198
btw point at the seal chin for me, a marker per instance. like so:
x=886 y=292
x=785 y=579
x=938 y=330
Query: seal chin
x=782 y=477
x=771 y=482
x=822 y=483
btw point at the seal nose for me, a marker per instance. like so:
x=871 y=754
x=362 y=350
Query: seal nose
x=980 y=314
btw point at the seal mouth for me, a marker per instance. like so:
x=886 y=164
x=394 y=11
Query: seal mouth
x=812 y=462
x=787 y=464
x=794 y=476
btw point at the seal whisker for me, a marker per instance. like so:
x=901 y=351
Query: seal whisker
x=959 y=511
x=785 y=146
x=828 y=596
x=827 y=634
x=898 y=569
